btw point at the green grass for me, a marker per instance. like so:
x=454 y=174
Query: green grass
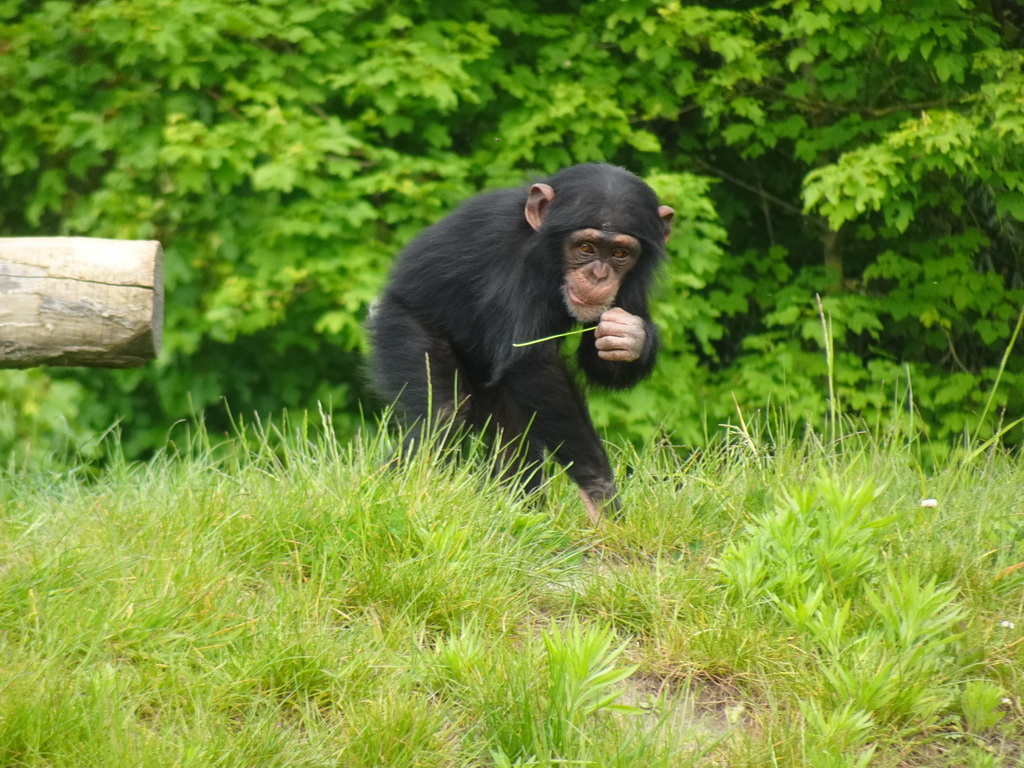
x=284 y=601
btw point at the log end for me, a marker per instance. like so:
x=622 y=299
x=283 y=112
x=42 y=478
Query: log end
x=80 y=302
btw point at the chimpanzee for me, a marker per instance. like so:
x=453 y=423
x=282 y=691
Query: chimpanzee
x=513 y=266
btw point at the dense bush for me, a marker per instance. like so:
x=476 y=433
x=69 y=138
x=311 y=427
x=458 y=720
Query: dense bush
x=283 y=152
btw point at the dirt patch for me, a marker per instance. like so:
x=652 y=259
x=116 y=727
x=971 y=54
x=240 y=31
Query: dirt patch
x=691 y=708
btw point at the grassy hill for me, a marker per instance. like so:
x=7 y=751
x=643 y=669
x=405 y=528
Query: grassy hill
x=282 y=600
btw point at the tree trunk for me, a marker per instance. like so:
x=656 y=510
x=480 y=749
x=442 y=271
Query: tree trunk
x=833 y=260
x=80 y=301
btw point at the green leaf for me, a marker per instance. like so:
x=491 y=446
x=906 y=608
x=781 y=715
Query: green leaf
x=797 y=58
x=1011 y=203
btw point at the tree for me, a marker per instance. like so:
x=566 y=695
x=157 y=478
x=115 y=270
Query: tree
x=863 y=151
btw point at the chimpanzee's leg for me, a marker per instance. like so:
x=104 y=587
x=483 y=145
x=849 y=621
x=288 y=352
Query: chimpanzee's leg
x=507 y=423
x=416 y=369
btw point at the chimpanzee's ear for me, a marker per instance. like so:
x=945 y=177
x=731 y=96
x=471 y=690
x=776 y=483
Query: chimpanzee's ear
x=538 y=199
x=666 y=215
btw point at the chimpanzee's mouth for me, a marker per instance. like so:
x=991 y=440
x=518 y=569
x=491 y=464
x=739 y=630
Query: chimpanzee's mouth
x=574 y=298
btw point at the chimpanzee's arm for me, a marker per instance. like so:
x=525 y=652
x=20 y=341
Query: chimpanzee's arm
x=546 y=398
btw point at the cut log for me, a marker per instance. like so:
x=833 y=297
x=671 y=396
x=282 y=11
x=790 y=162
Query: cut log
x=80 y=301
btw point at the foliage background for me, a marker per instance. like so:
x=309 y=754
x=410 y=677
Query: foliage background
x=283 y=152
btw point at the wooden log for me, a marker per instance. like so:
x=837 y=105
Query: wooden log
x=80 y=301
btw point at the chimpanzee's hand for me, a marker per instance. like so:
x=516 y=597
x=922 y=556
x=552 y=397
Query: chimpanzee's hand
x=598 y=502
x=620 y=336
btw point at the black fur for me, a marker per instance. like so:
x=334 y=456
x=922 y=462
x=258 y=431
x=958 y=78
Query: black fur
x=481 y=279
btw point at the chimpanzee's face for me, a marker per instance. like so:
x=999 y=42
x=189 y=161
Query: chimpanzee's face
x=595 y=264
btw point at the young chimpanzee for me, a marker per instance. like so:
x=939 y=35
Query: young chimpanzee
x=513 y=266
